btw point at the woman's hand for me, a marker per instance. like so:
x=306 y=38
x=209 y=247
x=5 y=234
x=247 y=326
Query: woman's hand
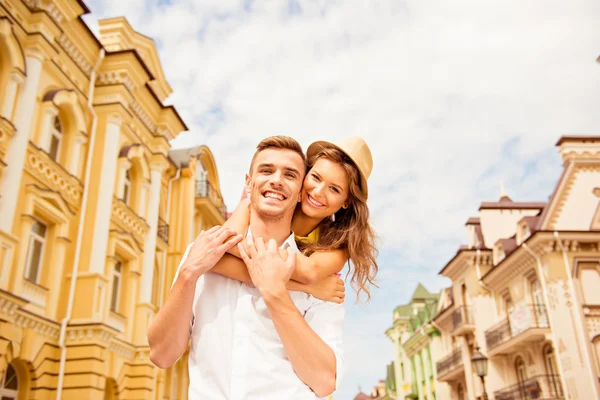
x=331 y=289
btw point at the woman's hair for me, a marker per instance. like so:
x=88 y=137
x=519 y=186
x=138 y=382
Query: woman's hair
x=351 y=230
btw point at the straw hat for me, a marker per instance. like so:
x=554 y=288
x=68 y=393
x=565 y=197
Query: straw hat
x=356 y=149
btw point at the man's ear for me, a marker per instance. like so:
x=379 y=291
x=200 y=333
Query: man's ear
x=248 y=184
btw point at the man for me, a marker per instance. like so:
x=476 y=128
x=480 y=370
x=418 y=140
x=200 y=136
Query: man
x=256 y=342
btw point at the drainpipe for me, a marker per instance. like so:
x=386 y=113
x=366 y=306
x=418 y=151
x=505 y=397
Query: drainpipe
x=580 y=327
x=84 y=202
x=542 y=276
x=483 y=285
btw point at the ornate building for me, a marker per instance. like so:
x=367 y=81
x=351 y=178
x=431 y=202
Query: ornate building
x=96 y=210
x=525 y=291
x=416 y=343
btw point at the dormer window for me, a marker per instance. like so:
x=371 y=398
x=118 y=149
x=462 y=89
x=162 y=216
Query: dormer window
x=56 y=133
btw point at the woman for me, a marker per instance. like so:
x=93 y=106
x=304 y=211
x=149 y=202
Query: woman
x=331 y=223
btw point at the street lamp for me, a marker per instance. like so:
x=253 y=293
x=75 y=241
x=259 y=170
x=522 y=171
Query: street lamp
x=481 y=365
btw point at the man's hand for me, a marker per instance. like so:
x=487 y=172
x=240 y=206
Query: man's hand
x=208 y=248
x=269 y=272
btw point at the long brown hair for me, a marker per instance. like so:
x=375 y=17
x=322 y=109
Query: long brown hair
x=351 y=230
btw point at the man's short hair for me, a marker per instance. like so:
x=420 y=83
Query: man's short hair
x=279 y=142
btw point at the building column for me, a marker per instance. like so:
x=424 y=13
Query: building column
x=75 y=157
x=426 y=355
x=105 y=195
x=466 y=358
x=17 y=150
x=419 y=373
x=156 y=171
x=14 y=81
x=398 y=366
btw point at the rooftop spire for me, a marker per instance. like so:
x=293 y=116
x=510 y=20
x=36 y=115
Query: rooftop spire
x=502 y=191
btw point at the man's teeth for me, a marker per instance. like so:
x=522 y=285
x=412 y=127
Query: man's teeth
x=274 y=196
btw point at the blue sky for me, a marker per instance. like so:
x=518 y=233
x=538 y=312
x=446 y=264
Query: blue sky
x=452 y=97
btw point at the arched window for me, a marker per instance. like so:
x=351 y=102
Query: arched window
x=56 y=133
x=521 y=372
x=9 y=387
x=127 y=187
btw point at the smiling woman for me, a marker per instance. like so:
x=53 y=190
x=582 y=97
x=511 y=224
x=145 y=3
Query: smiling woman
x=331 y=217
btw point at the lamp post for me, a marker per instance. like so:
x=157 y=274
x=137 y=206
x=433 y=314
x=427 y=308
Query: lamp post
x=481 y=365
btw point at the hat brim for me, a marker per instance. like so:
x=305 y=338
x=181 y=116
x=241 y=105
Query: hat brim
x=317 y=146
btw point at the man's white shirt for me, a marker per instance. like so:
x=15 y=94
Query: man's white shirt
x=236 y=353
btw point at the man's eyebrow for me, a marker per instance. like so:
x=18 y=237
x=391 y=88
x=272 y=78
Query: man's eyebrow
x=292 y=169
x=264 y=165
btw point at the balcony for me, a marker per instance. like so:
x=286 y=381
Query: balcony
x=53 y=175
x=208 y=197
x=526 y=323
x=450 y=366
x=129 y=221
x=163 y=230
x=462 y=321
x=547 y=387
x=7 y=131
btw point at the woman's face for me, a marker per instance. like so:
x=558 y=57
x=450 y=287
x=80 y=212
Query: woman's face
x=325 y=189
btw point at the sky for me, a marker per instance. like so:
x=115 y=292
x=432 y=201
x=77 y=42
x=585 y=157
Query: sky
x=452 y=98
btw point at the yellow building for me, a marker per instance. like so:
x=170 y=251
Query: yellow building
x=96 y=210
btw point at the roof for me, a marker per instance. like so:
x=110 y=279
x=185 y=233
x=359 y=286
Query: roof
x=532 y=222
x=508 y=245
x=181 y=157
x=506 y=203
x=404 y=310
x=473 y=221
x=577 y=138
x=422 y=293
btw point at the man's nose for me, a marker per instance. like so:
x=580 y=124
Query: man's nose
x=277 y=179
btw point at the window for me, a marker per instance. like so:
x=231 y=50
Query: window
x=127 y=187
x=116 y=287
x=521 y=372
x=9 y=386
x=35 y=252
x=537 y=299
x=55 y=139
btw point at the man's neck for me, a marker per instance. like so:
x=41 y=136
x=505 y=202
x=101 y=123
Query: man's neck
x=279 y=230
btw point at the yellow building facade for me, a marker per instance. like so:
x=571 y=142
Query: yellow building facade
x=96 y=210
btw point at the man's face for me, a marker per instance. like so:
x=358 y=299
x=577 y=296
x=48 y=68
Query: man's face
x=275 y=183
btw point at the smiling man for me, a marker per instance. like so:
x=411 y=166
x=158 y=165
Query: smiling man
x=252 y=342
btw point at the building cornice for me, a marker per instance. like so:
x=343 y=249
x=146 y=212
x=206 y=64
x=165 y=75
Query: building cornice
x=541 y=242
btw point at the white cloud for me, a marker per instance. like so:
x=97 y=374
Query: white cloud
x=451 y=97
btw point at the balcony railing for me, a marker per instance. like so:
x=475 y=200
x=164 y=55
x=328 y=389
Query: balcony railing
x=520 y=320
x=163 y=230
x=450 y=362
x=461 y=317
x=205 y=190
x=547 y=387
